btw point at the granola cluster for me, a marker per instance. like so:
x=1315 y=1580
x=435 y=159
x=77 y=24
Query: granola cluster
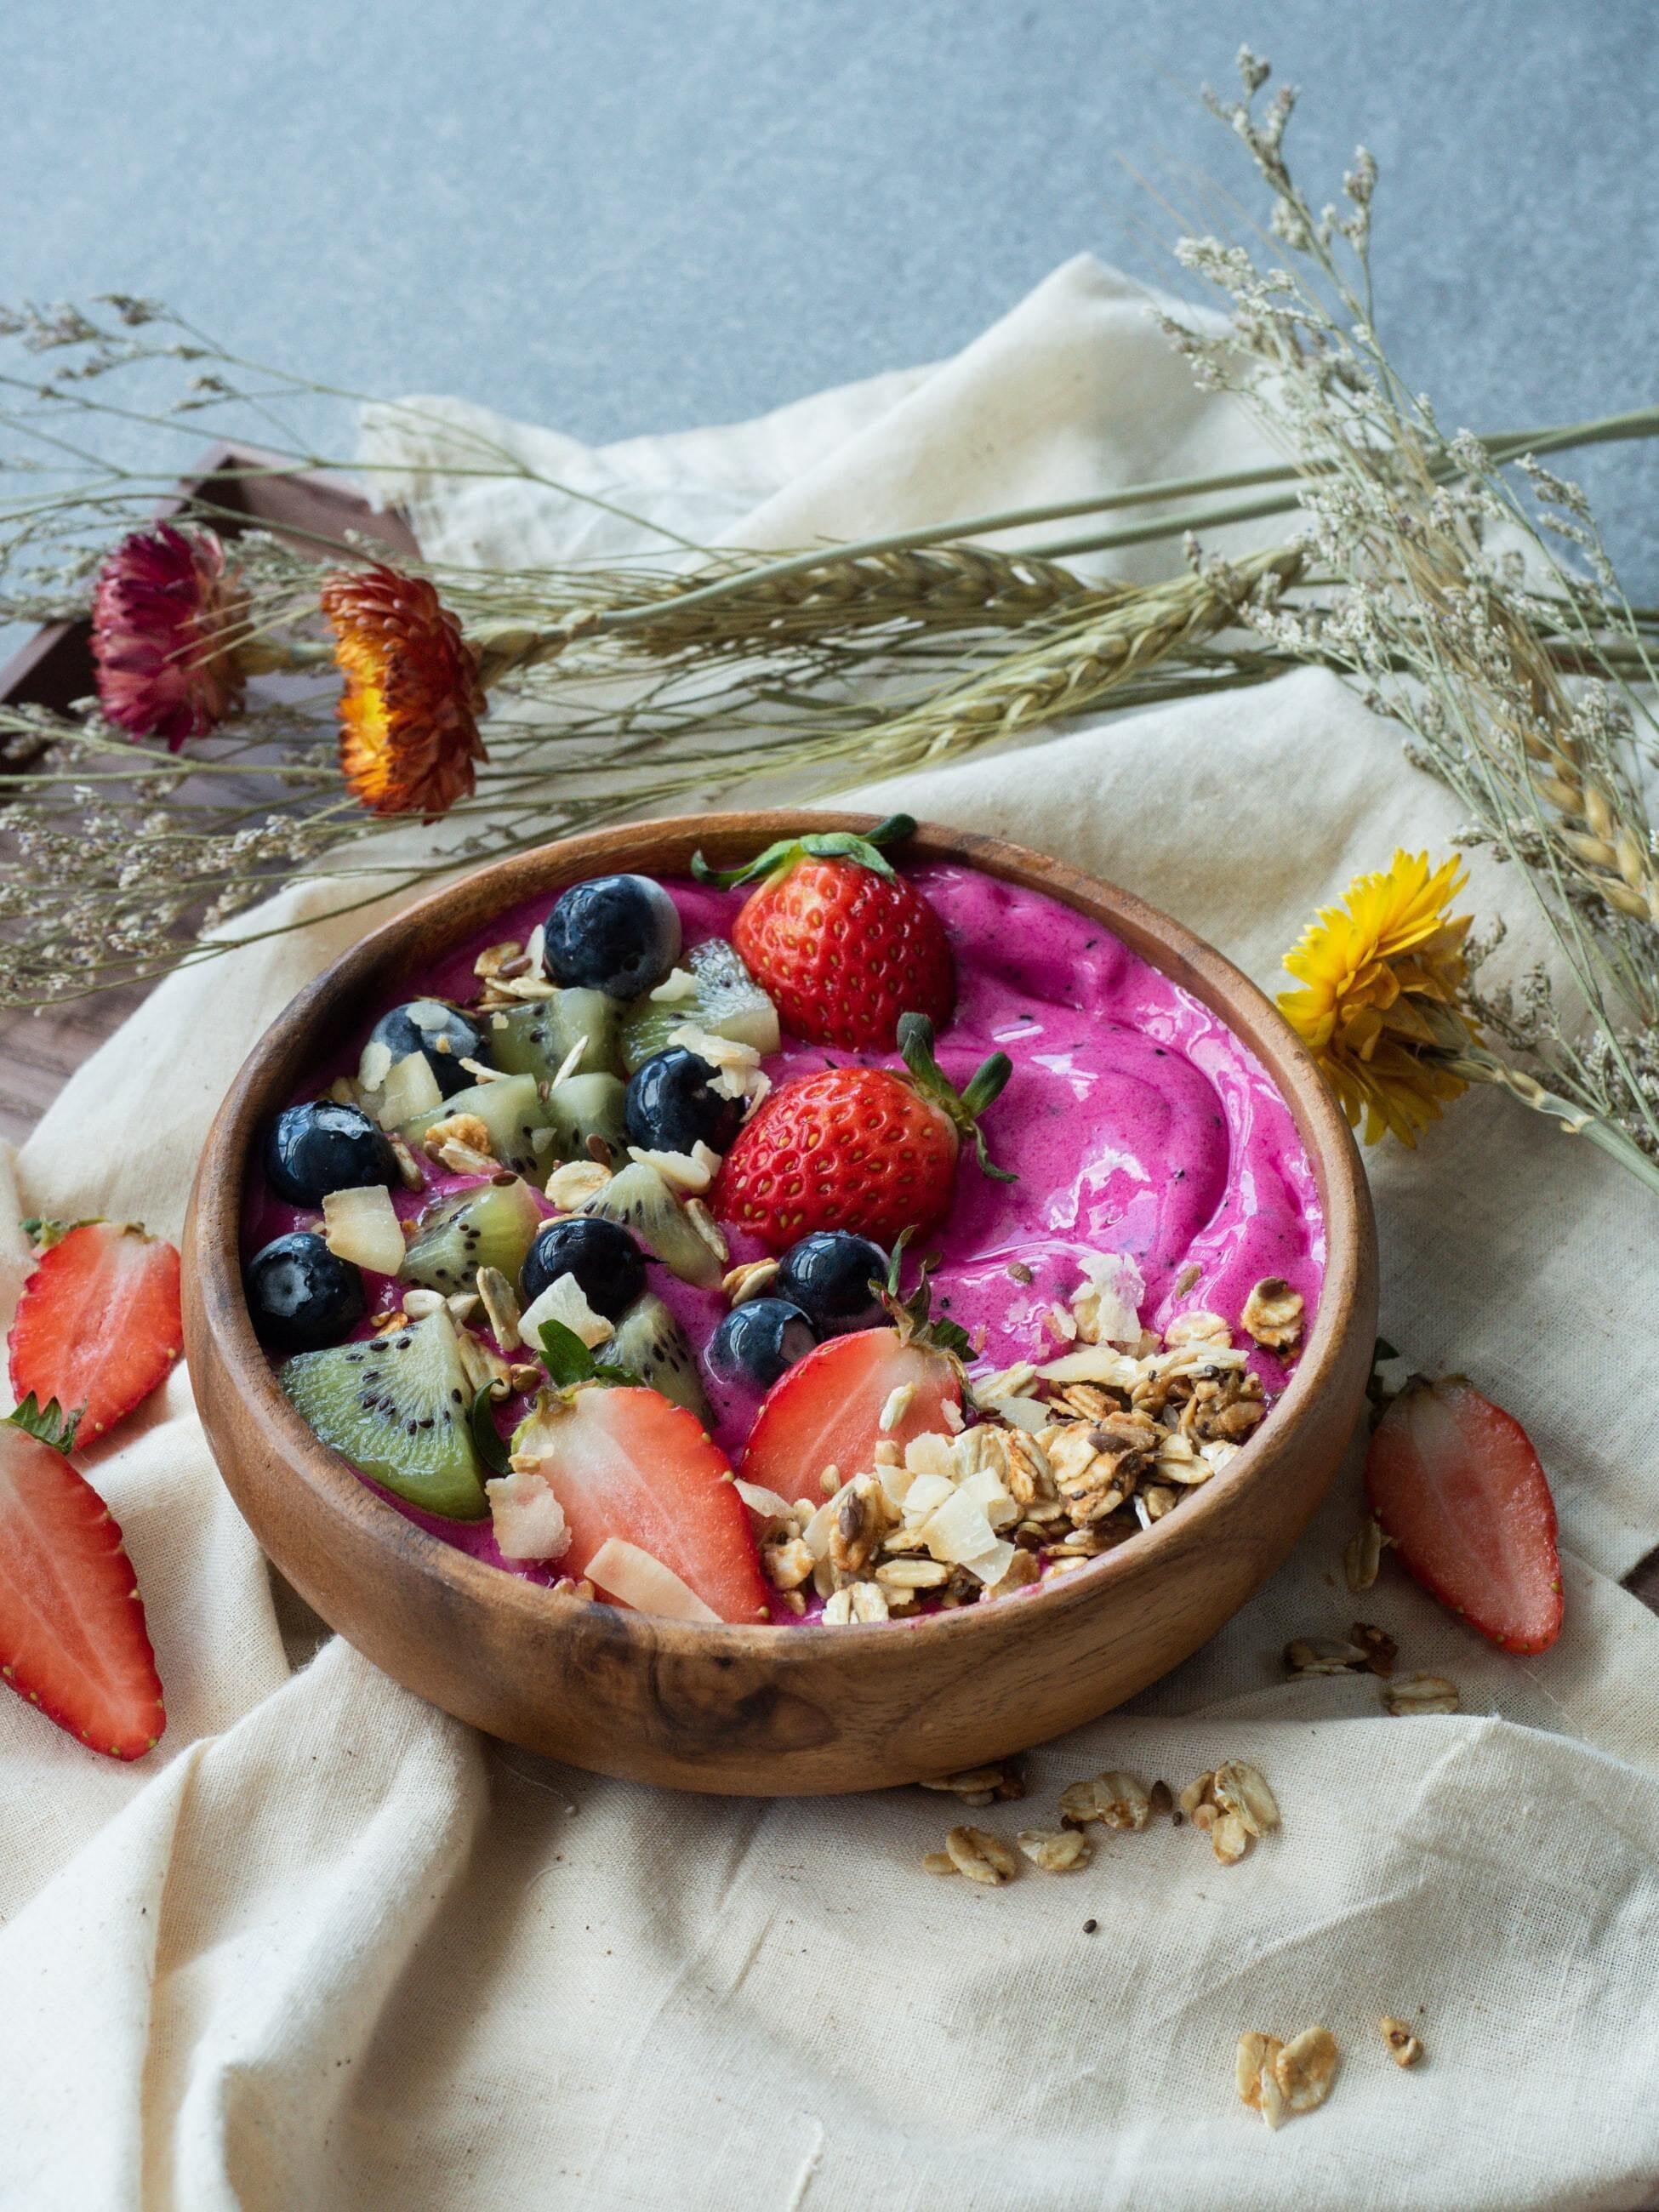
x=1367 y=1649
x=1068 y=1458
x=1233 y=1806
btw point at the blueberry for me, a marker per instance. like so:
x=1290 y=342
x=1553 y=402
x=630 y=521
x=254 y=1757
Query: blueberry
x=671 y=1105
x=758 y=1340
x=300 y=1294
x=828 y=1275
x=605 y=1261
x=443 y=1034
x=619 y=934
x=312 y=1150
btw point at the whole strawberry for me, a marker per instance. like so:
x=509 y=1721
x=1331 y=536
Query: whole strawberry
x=861 y=1148
x=841 y=943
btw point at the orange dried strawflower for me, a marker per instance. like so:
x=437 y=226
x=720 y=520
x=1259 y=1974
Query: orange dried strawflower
x=409 y=728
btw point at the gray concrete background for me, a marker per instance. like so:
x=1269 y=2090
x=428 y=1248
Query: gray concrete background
x=637 y=215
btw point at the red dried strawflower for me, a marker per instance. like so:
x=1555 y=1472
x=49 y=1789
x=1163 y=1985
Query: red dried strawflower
x=409 y=729
x=164 y=614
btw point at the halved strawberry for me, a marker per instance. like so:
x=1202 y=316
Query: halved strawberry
x=629 y=1463
x=72 y=1634
x=1456 y=1482
x=98 y=1325
x=826 y=1410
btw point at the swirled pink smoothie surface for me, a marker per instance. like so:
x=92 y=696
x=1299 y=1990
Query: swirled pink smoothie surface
x=1135 y=1121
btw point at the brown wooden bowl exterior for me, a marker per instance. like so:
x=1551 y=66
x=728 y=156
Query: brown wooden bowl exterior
x=762 y=1712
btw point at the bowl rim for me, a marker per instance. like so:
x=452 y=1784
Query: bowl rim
x=214 y=1287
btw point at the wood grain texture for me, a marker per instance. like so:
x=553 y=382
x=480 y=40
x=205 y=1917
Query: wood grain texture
x=763 y=1711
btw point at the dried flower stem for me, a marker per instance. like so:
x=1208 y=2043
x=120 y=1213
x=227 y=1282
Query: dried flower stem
x=1473 y=1064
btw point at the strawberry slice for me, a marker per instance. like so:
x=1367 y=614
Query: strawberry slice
x=629 y=1464
x=98 y=1325
x=826 y=1410
x=72 y=1634
x=1456 y=1482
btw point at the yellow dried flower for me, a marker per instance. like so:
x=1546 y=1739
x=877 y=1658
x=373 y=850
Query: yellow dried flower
x=1384 y=972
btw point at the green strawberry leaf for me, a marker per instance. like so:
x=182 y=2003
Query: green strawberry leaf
x=569 y=1360
x=914 y=1316
x=915 y=1045
x=43 y=1234
x=486 y=1436
x=826 y=845
x=48 y=1424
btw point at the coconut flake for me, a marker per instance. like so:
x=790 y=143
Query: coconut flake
x=639 y=1579
x=528 y=1519
x=897 y=1482
x=1095 y=1363
x=986 y=1492
x=959 y=1530
x=1106 y=1304
x=736 y=1066
x=689 y=1172
x=679 y=983
x=375 y=1065
x=1028 y=1413
x=816 y=1535
x=930 y=1454
x=362 y=1226
x=1015 y=1382
x=563 y=1300
x=765 y=1504
x=412 y=1088
x=925 y=1494
x=991 y=1566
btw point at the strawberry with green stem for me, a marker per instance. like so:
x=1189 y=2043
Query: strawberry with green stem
x=99 y=1324
x=842 y=943
x=866 y=1149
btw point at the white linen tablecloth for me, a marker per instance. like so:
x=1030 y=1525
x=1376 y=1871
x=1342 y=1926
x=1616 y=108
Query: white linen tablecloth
x=327 y=1948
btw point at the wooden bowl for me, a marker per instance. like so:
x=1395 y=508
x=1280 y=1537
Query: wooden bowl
x=762 y=1712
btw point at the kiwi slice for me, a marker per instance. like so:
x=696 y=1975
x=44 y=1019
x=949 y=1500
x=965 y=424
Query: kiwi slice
x=397 y=1408
x=651 y=1344
x=511 y=1109
x=639 y=1200
x=491 y=1226
x=537 y=1039
x=585 y=1106
x=728 y=1003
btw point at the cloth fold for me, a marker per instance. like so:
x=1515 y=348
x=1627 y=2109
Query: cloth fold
x=327 y=1948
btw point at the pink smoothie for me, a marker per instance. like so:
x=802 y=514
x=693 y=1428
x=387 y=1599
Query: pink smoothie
x=1134 y=1121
